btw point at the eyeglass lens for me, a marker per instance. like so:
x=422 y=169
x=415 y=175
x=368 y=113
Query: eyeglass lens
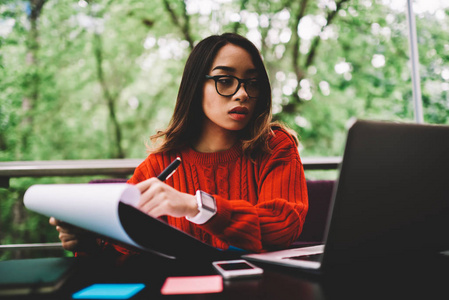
x=228 y=86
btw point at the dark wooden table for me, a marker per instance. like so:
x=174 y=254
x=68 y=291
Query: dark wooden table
x=422 y=277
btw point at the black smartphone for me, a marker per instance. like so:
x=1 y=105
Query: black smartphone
x=237 y=268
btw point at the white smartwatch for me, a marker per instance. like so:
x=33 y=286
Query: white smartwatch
x=207 y=207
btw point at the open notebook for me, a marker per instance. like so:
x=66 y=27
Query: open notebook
x=392 y=198
x=110 y=210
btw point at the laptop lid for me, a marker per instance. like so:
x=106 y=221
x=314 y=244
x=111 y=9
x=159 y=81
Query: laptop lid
x=392 y=195
x=391 y=198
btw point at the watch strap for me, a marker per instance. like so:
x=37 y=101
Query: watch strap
x=206 y=212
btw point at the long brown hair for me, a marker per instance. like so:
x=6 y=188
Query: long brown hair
x=188 y=114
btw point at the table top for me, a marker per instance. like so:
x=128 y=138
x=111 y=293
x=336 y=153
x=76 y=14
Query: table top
x=422 y=277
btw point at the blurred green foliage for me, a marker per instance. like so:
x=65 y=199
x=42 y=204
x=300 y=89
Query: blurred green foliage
x=94 y=79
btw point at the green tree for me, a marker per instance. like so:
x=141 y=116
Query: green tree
x=94 y=79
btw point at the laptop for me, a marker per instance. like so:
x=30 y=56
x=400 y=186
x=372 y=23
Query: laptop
x=391 y=198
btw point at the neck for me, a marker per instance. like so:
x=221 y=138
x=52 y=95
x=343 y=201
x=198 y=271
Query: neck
x=211 y=140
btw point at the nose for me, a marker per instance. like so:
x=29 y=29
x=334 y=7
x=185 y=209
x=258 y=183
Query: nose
x=241 y=94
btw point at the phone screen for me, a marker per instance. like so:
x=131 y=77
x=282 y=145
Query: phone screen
x=235 y=266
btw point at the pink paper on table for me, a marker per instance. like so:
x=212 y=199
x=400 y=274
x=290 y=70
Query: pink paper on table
x=192 y=285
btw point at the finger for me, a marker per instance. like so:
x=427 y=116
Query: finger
x=53 y=221
x=66 y=237
x=70 y=245
x=145 y=185
x=60 y=226
x=160 y=205
x=65 y=229
x=158 y=211
x=148 y=202
x=149 y=195
x=65 y=225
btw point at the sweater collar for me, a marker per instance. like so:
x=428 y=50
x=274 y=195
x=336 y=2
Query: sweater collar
x=216 y=157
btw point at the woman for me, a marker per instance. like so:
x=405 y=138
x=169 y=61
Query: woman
x=241 y=181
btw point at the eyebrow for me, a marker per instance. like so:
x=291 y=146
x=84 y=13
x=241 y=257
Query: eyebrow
x=231 y=69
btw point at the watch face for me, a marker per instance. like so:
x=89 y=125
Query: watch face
x=208 y=202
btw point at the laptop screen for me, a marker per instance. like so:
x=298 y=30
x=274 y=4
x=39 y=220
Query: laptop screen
x=392 y=194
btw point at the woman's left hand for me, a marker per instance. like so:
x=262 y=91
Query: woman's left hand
x=159 y=199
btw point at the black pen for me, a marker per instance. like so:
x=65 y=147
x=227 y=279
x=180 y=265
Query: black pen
x=169 y=170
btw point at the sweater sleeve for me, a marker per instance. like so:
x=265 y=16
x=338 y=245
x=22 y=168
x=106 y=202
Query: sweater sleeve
x=145 y=170
x=276 y=220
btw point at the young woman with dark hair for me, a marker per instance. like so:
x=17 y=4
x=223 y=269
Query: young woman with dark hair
x=186 y=121
x=241 y=181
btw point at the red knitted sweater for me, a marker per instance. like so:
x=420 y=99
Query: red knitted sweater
x=260 y=205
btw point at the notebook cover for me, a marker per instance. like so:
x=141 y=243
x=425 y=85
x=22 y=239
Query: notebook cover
x=34 y=276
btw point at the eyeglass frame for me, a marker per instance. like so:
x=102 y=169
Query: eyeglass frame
x=244 y=81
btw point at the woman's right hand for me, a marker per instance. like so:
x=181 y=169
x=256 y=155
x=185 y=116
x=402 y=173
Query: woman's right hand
x=74 y=238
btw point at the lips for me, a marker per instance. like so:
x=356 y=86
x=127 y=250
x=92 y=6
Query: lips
x=241 y=110
x=239 y=113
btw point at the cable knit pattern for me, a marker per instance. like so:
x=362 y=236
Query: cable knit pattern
x=260 y=205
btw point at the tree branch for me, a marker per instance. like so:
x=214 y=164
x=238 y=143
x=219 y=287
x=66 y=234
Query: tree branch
x=297 y=41
x=291 y=106
x=32 y=76
x=237 y=24
x=110 y=100
x=330 y=17
x=185 y=26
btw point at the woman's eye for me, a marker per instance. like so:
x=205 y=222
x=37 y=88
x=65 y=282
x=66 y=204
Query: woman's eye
x=225 y=81
x=253 y=83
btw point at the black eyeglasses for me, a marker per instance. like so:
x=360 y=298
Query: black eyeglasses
x=228 y=85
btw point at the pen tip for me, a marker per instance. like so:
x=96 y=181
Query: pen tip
x=178 y=158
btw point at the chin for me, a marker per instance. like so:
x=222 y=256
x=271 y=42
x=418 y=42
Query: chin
x=236 y=128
